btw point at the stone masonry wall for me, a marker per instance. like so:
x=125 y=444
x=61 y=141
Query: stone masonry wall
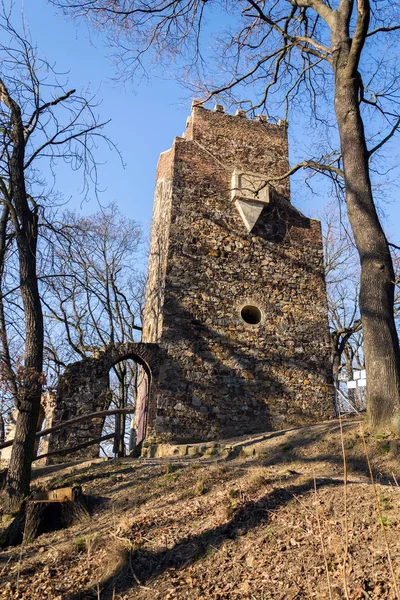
x=158 y=254
x=84 y=388
x=223 y=377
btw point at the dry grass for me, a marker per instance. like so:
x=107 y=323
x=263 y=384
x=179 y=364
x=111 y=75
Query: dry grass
x=289 y=526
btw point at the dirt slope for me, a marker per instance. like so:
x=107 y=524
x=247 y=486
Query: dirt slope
x=270 y=521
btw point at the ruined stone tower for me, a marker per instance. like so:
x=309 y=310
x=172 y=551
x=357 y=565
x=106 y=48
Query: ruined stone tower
x=235 y=294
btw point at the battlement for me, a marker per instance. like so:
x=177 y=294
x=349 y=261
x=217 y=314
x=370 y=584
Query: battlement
x=220 y=108
x=241 y=143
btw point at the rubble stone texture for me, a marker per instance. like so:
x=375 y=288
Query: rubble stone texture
x=83 y=389
x=235 y=333
x=216 y=249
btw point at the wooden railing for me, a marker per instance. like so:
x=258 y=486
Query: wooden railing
x=64 y=424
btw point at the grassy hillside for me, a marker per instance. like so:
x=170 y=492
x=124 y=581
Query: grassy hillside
x=272 y=519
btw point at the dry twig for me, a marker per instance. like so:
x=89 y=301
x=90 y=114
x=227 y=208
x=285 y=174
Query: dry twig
x=322 y=538
x=346 y=523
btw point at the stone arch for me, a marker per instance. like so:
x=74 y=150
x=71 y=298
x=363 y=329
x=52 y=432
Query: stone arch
x=146 y=355
x=83 y=389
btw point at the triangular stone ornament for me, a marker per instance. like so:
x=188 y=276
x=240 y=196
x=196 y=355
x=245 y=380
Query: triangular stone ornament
x=250 y=194
x=250 y=211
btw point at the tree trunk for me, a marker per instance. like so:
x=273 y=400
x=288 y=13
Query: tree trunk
x=25 y=222
x=30 y=388
x=349 y=358
x=336 y=354
x=381 y=344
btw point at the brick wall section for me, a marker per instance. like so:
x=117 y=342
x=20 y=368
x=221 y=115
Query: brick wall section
x=223 y=377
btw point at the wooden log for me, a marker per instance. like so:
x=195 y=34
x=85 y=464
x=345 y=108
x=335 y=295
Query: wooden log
x=69 y=449
x=64 y=494
x=33 y=519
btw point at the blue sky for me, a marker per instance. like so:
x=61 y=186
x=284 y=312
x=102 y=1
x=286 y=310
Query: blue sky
x=146 y=115
x=144 y=120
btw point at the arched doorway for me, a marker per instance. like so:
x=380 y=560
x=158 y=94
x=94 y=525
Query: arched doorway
x=84 y=388
x=129 y=384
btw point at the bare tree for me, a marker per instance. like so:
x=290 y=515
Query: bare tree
x=338 y=61
x=93 y=297
x=40 y=120
x=342 y=275
x=96 y=287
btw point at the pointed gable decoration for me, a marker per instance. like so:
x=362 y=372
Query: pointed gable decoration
x=250 y=212
x=250 y=194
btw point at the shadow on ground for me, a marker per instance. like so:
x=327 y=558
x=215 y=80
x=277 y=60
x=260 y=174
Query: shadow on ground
x=143 y=566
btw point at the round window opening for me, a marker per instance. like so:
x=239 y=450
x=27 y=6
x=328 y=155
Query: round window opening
x=251 y=314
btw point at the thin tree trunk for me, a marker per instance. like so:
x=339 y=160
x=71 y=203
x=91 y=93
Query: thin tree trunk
x=30 y=389
x=349 y=358
x=381 y=344
x=336 y=354
x=30 y=386
x=2 y=429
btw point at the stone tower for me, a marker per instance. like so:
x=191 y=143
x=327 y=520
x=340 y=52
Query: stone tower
x=235 y=295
